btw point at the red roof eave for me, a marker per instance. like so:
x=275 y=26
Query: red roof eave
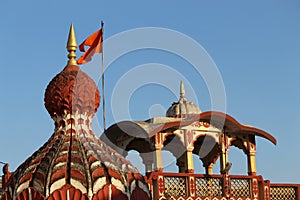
x=225 y=120
x=221 y=120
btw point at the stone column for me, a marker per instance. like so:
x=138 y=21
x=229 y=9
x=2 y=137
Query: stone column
x=209 y=169
x=251 y=156
x=148 y=161
x=189 y=160
x=251 y=163
x=148 y=167
x=224 y=152
x=158 y=166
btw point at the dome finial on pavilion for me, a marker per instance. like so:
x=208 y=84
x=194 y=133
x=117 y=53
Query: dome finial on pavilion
x=182 y=108
x=72 y=46
x=182 y=90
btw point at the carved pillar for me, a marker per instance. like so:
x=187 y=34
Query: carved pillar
x=189 y=160
x=148 y=167
x=192 y=186
x=223 y=161
x=209 y=169
x=224 y=152
x=266 y=186
x=158 y=186
x=251 y=163
x=148 y=161
x=158 y=166
x=226 y=186
x=251 y=156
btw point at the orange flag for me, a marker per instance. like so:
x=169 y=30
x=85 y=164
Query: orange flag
x=94 y=41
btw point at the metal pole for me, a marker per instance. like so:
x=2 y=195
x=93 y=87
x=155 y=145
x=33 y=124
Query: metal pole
x=103 y=96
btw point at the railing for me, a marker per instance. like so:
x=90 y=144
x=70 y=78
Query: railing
x=191 y=186
x=175 y=186
x=241 y=187
x=284 y=191
x=209 y=187
x=198 y=186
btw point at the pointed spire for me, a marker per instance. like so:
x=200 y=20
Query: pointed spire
x=72 y=46
x=182 y=90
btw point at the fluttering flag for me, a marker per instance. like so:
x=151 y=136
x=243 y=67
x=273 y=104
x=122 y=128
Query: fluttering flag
x=94 y=41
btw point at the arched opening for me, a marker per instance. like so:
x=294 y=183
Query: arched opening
x=237 y=156
x=127 y=135
x=134 y=157
x=198 y=165
x=176 y=160
x=140 y=145
x=145 y=152
x=169 y=162
x=238 y=160
x=207 y=150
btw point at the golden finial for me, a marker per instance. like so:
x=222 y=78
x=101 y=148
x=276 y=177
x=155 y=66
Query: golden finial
x=72 y=46
x=182 y=90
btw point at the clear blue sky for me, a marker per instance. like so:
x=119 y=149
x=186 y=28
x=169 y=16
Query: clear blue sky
x=255 y=45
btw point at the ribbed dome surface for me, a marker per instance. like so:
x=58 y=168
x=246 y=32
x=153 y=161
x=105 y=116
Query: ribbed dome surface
x=72 y=91
x=182 y=108
x=75 y=159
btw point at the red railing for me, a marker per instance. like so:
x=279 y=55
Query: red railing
x=198 y=186
x=284 y=191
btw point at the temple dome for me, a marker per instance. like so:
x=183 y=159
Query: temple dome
x=182 y=108
x=71 y=91
x=74 y=163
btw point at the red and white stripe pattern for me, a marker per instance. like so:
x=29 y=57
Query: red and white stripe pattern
x=76 y=162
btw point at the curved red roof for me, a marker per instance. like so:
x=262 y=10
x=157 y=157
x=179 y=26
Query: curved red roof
x=218 y=119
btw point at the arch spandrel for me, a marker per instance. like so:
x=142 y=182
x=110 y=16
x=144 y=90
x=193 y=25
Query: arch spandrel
x=239 y=143
x=178 y=133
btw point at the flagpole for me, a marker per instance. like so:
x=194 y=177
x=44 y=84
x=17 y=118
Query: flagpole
x=103 y=96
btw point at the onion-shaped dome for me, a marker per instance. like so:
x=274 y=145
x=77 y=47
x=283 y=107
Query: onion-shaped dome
x=74 y=163
x=183 y=108
x=72 y=92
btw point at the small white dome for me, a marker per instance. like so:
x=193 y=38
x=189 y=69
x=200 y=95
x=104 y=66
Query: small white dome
x=183 y=108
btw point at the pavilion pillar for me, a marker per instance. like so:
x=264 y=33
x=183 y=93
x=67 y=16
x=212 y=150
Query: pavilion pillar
x=251 y=163
x=224 y=153
x=158 y=166
x=189 y=160
x=223 y=161
x=209 y=169
x=148 y=161
x=251 y=160
x=148 y=167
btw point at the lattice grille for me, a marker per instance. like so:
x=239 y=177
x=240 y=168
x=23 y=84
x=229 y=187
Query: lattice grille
x=208 y=187
x=175 y=186
x=240 y=188
x=283 y=193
